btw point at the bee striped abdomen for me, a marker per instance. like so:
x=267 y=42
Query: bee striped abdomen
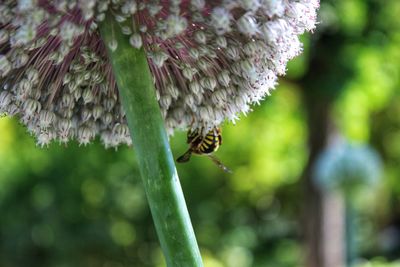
x=210 y=142
x=203 y=145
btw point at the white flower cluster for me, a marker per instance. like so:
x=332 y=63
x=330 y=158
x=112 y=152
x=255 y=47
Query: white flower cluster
x=210 y=60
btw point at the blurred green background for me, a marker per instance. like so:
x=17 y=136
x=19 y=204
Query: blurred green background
x=85 y=206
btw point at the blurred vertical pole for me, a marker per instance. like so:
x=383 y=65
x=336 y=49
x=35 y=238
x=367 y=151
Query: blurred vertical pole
x=351 y=250
x=313 y=198
x=334 y=229
x=323 y=220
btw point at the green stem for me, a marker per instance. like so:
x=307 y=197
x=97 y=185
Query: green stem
x=156 y=163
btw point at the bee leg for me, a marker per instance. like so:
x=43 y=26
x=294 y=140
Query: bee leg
x=185 y=157
x=219 y=163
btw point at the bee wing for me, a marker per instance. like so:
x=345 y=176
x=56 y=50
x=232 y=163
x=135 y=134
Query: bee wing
x=185 y=157
x=219 y=163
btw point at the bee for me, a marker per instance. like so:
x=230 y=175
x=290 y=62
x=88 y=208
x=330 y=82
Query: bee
x=204 y=145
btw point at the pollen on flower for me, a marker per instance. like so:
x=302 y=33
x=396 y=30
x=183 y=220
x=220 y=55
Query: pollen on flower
x=210 y=61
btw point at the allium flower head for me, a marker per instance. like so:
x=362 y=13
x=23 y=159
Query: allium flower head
x=347 y=167
x=210 y=60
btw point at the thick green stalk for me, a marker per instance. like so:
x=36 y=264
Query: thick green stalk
x=150 y=143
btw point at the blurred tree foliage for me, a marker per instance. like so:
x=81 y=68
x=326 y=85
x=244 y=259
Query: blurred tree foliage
x=85 y=206
x=351 y=73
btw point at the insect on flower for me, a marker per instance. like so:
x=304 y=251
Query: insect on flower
x=204 y=145
x=210 y=61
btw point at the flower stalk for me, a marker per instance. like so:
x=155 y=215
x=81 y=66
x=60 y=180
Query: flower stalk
x=149 y=137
